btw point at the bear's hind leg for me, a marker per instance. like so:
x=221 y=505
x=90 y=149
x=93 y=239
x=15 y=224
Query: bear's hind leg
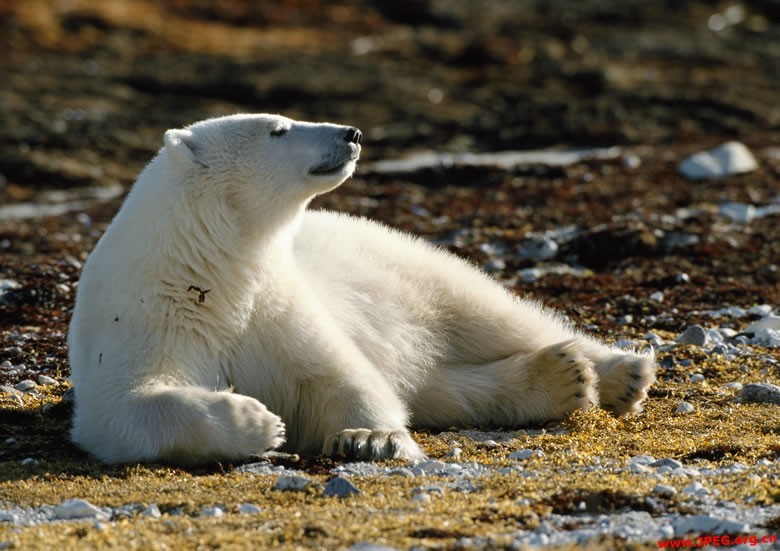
x=520 y=389
x=177 y=424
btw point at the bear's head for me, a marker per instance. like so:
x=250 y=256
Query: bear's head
x=261 y=162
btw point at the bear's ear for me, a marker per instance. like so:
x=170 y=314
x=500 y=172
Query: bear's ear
x=181 y=148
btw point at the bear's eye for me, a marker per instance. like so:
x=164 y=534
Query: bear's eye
x=281 y=131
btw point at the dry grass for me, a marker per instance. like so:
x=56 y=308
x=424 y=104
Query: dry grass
x=719 y=432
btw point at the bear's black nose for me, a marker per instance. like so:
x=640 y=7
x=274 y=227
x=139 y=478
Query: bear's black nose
x=353 y=135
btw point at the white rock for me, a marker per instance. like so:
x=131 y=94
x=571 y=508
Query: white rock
x=767 y=322
x=658 y=296
x=45 y=380
x=739 y=212
x=760 y=310
x=667 y=462
x=762 y=393
x=525 y=454
x=292 y=483
x=78 y=508
x=539 y=248
x=734 y=385
x=664 y=490
x=152 y=511
x=694 y=334
x=705 y=524
x=249 y=509
x=26 y=385
x=642 y=460
x=212 y=512
x=454 y=453
x=696 y=489
x=725 y=160
x=685 y=407
x=340 y=487
x=422 y=497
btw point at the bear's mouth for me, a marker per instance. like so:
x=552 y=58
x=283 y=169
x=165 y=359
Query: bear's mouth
x=333 y=166
x=324 y=170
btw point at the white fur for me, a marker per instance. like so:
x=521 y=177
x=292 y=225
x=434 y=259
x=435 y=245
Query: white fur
x=216 y=313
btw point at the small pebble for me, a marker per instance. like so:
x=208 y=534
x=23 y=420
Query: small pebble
x=706 y=524
x=664 y=490
x=454 y=453
x=658 y=296
x=762 y=393
x=525 y=454
x=26 y=385
x=249 y=509
x=78 y=508
x=722 y=161
x=292 y=483
x=696 y=377
x=152 y=511
x=667 y=462
x=422 y=498
x=211 y=512
x=340 y=487
x=642 y=460
x=685 y=407
x=694 y=334
x=696 y=488
x=767 y=322
x=734 y=385
x=45 y=380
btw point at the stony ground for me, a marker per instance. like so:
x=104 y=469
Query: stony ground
x=619 y=240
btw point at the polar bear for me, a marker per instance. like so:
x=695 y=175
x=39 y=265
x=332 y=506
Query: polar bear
x=217 y=318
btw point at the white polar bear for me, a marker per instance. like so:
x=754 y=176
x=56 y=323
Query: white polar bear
x=216 y=314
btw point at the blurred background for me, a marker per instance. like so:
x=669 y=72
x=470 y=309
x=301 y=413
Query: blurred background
x=86 y=88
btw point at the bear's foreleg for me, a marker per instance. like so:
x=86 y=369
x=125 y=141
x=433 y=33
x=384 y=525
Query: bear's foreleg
x=179 y=424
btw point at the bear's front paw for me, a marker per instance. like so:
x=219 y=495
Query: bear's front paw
x=247 y=426
x=373 y=444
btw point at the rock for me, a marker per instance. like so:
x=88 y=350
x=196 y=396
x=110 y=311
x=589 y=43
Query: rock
x=340 y=487
x=45 y=380
x=725 y=160
x=734 y=385
x=685 y=407
x=771 y=322
x=739 y=212
x=694 y=334
x=26 y=385
x=667 y=462
x=249 y=509
x=696 y=489
x=494 y=265
x=761 y=393
x=664 y=490
x=539 y=248
x=454 y=453
x=78 y=508
x=422 y=497
x=642 y=460
x=525 y=454
x=696 y=378
x=705 y=524
x=212 y=512
x=430 y=466
x=370 y=547
x=292 y=483
x=152 y=511
x=29 y=462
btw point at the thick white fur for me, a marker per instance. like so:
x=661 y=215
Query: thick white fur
x=216 y=313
